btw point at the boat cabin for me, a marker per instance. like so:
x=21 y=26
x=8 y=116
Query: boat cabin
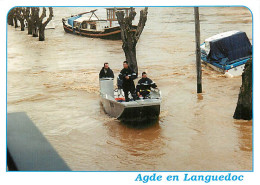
x=89 y=21
x=111 y=15
x=218 y=37
x=91 y=25
x=228 y=46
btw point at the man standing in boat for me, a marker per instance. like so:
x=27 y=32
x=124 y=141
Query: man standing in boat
x=127 y=75
x=106 y=72
x=144 y=85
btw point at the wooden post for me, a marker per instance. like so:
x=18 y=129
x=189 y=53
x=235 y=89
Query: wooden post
x=198 y=59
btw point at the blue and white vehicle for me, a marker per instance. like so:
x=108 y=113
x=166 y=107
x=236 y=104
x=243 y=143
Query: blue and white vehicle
x=227 y=52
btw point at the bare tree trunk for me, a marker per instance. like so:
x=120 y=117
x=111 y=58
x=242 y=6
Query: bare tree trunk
x=15 y=18
x=244 y=103
x=10 y=17
x=130 y=55
x=42 y=25
x=28 y=18
x=20 y=17
x=41 y=33
x=29 y=27
x=22 y=25
x=34 y=30
x=35 y=16
x=129 y=36
x=10 y=21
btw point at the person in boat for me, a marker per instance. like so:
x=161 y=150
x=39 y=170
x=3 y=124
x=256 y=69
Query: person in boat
x=106 y=72
x=144 y=85
x=127 y=76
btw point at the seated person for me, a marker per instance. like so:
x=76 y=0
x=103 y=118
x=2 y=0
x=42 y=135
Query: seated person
x=106 y=72
x=144 y=85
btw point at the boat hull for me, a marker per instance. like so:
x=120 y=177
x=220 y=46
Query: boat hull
x=233 y=72
x=109 y=33
x=140 y=116
x=111 y=107
x=233 y=69
x=137 y=115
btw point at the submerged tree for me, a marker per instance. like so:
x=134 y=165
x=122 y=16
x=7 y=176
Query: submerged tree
x=35 y=16
x=20 y=12
x=41 y=25
x=129 y=36
x=28 y=18
x=35 y=23
x=244 y=103
x=10 y=17
x=15 y=18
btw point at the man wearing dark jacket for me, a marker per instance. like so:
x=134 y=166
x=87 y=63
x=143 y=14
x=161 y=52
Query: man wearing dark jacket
x=144 y=85
x=106 y=72
x=127 y=75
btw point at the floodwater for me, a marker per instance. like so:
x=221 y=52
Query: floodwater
x=56 y=83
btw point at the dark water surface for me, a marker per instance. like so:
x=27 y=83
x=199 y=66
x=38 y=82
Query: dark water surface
x=56 y=83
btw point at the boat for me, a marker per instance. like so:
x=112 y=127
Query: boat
x=227 y=52
x=138 y=113
x=90 y=25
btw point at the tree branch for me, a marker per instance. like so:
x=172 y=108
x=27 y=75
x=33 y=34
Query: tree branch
x=141 y=24
x=49 y=18
x=43 y=14
x=120 y=18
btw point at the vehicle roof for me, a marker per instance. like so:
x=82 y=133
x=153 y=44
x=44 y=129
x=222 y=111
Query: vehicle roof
x=222 y=35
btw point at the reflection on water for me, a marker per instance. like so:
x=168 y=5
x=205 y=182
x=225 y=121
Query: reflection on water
x=245 y=130
x=56 y=83
x=139 y=148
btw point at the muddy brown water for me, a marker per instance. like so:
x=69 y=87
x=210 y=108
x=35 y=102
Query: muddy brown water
x=56 y=83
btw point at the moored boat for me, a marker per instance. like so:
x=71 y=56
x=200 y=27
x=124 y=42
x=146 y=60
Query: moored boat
x=227 y=52
x=136 y=113
x=88 y=24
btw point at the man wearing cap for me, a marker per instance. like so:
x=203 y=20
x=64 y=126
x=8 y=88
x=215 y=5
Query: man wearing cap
x=127 y=75
x=106 y=72
x=144 y=85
